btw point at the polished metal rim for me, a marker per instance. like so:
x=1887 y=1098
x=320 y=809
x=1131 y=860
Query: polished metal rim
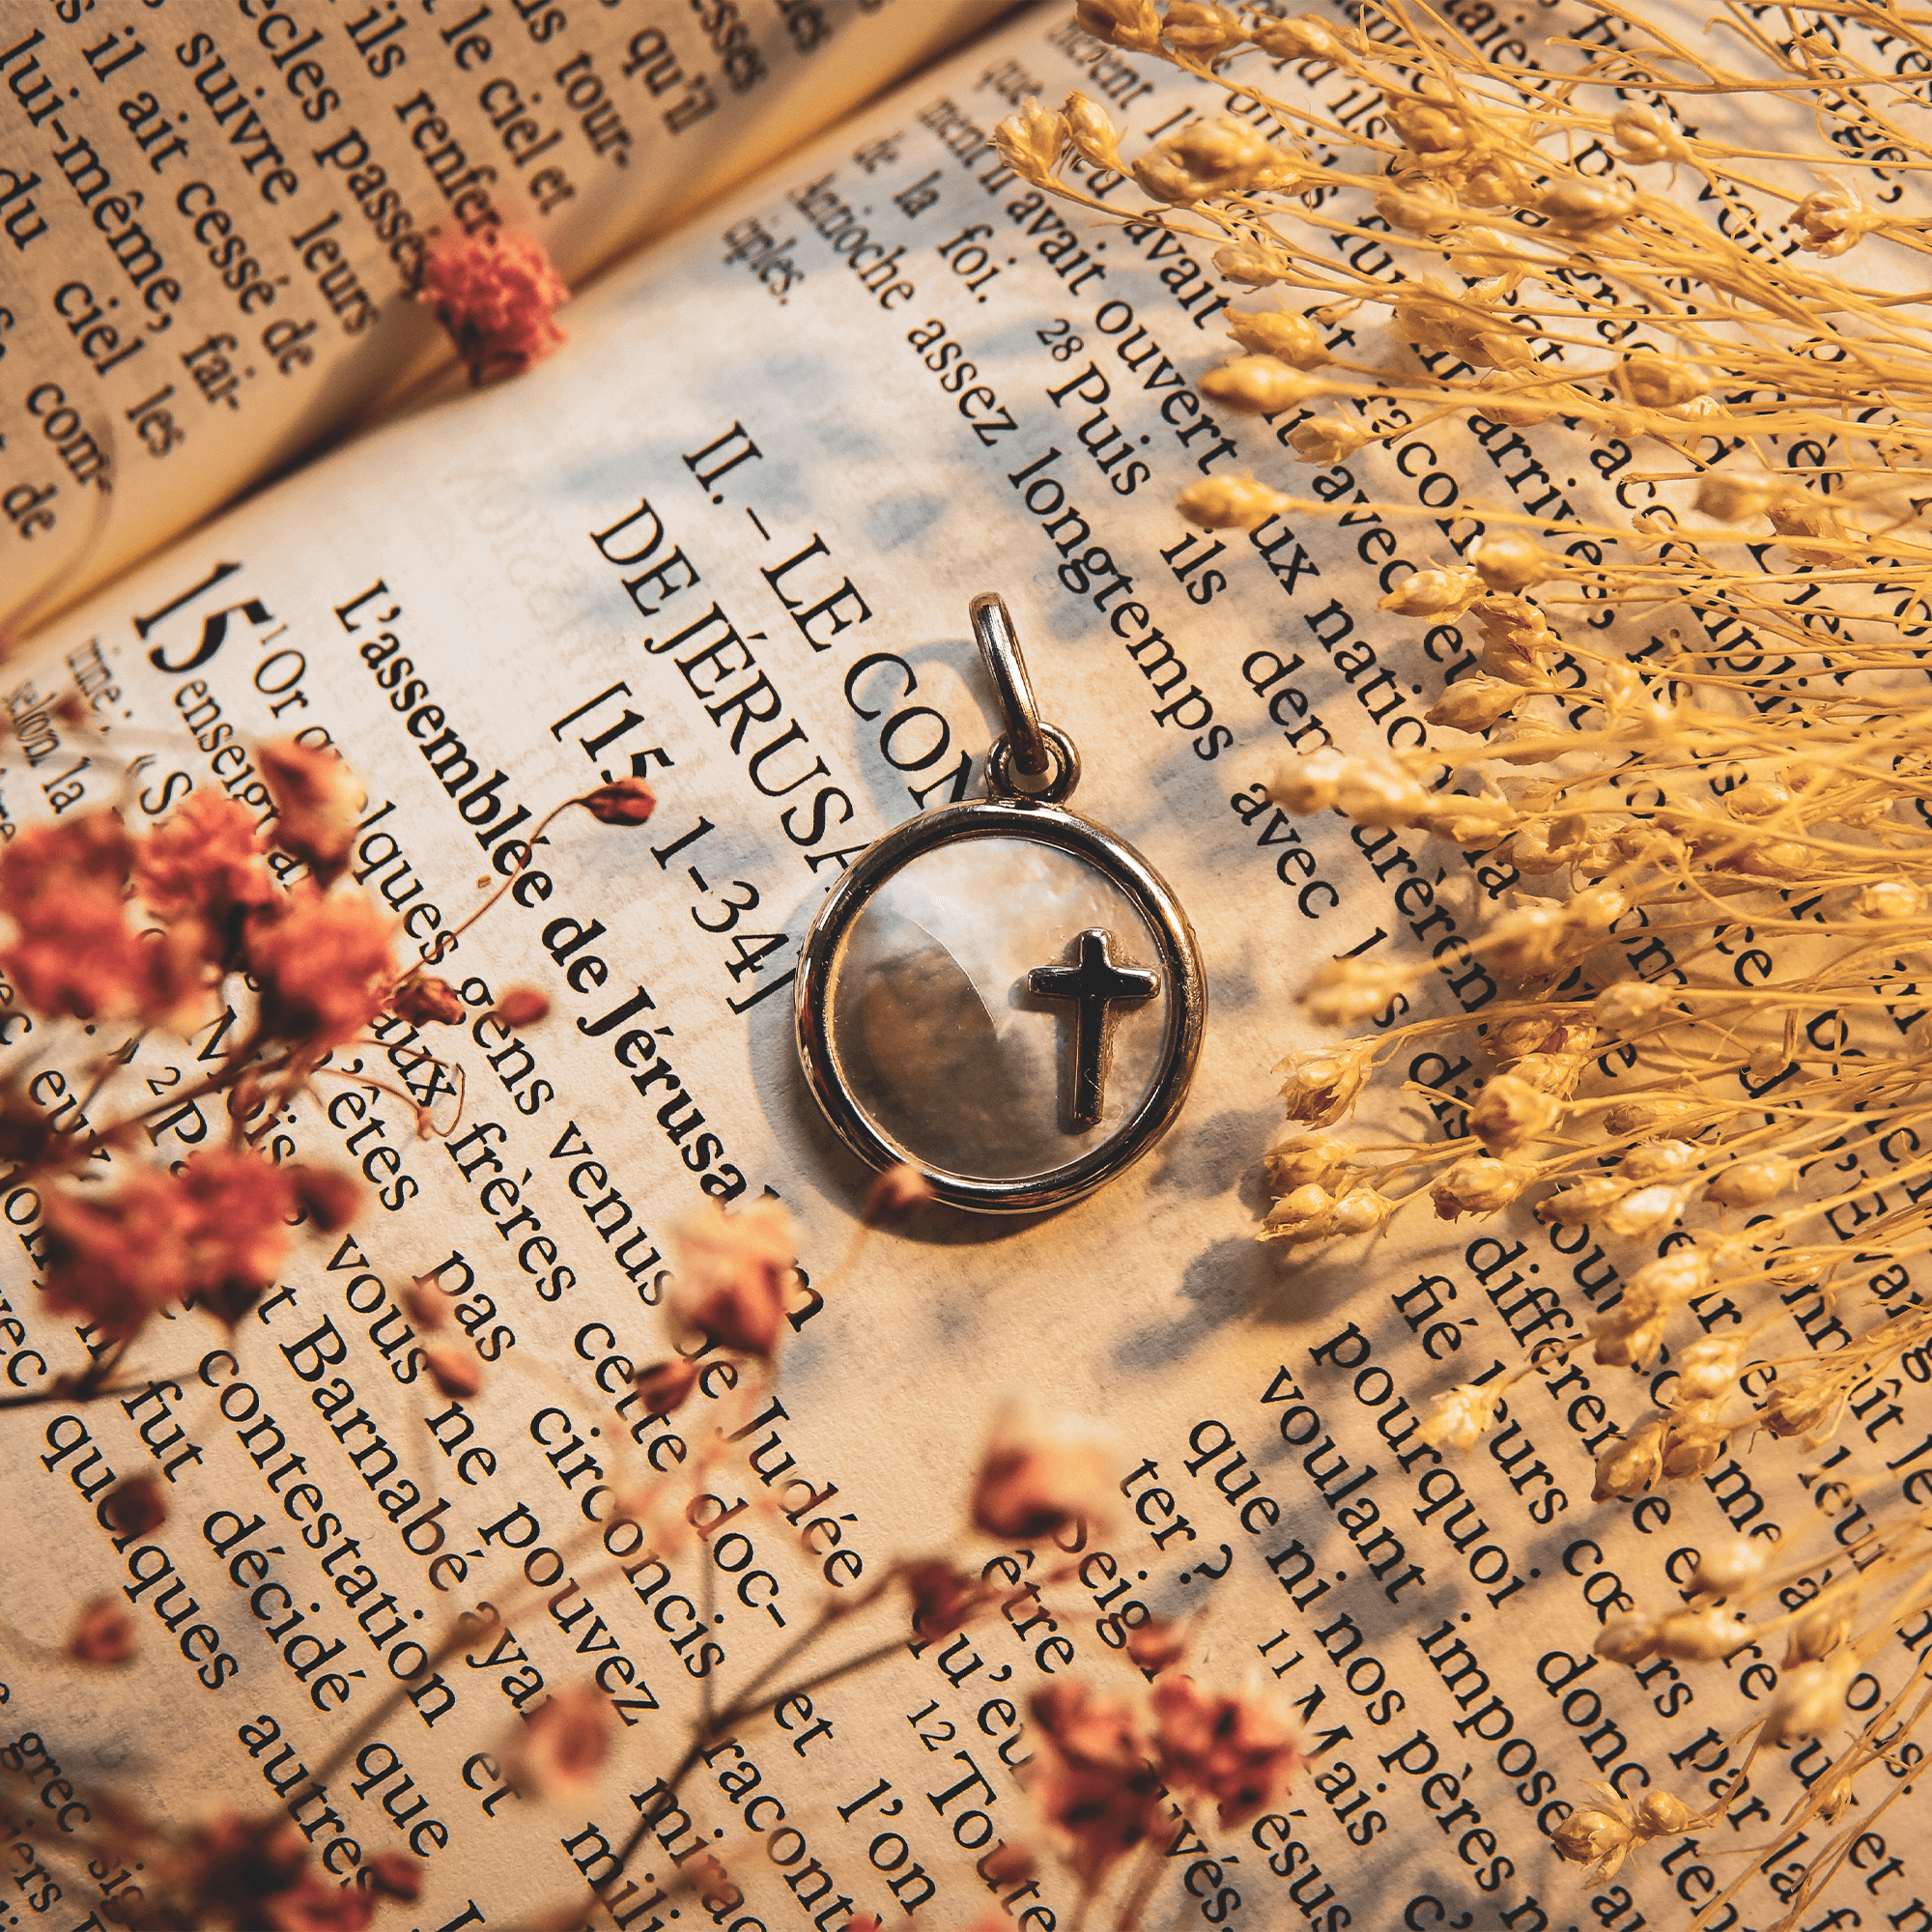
x=1014 y=817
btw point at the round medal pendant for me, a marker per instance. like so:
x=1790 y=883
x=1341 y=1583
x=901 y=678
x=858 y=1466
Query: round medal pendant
x=1002 y=994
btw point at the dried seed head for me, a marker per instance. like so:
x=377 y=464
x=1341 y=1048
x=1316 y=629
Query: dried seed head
x=1648 y=1115
x=1259 y=386
x=1626 y=1640
x=1478 y=1185
x=1514 y=562
x=1819 y=1632
x=1461 y=1417
x=1201 y=30
x=1629 y=1004
x=1295 y=1160
x=1328 y=440
x=1578 y=209
x=1360 y=1210
x=1630 y=1464
x=1092 y=132
x=1596 y=1837
x=1657 y=1160
x=1702 y=1636
x=1644 y=136
x=1250 y=263
x=1474 y=703
x=1647 y=1211
x=1309 y=783
x=1653 y=383
x=1891 y=898
x=1729 y=1566
x=1321 y=1087
x=1810 y=1700
x=1434 y=593
x=1288 y=338
x=1510 y=1112
x=1223 y=155
x=1132 y=24
x=1304 y=37
x=1230 y=503
x=1303 y=1216
x=1751 y=1183
x=1344 y=991
x=1732 y=495
x=1029 y=142
x=1708 y=1368
x=1582 y=1202
x=1832 y=219
x=1805 y=1404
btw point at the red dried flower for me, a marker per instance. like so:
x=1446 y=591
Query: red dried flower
x=622 y=802
x=1094 y=1782
x=494 y=292
x=522 y=1006
x=1240 y=1752
x=330 y=1200
x=422 y=998
x=1038 y=1480
x=454 y=1369
x=325 y=966
x=102 y=1634
x=557 y=1752
x=218 y=1230
x=944 y=1599
x=394 y=1875
x=205 y=861
x=135 y=1507
x=65 y=887
x=316 y=800
x=236 y=1865
x=1156 y=1645
x=733 y=1273
x=897 y=1194
x=316 y=1904
x=664 y=1386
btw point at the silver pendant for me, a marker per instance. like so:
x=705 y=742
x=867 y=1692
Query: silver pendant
x=1002 y=994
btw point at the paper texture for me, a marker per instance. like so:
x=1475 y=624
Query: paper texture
x=727 y=540
x=212 y=218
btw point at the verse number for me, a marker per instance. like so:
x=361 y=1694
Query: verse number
x=931 y=1740
x=1060 y=341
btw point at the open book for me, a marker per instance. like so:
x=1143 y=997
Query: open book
x=725 y=540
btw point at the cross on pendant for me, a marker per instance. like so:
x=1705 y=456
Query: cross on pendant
x=1096 y=984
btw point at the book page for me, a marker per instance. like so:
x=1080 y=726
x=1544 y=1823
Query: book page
x=727 y=542
x=212 y=219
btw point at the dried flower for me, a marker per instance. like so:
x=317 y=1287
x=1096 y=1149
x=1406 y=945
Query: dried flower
x=1833 y=221
x=1200 y=30
x=1751 y=1183
x=732 y=1274
x=496 y=293
x=1092 y=1780
x=1278 y=332
x=1230 y=503
x=1259 y=385
x=1582 y=209
x=1321 y=1087
x=325 y=965
x=1241 y=1752
x=1092 y=131
x=1628 y=1004
x=315 y=804
x=1636 y=1216
x=1728 y=1566
x=1654 y=382
x=665 y=1386
x=1306 y=1214
x=1631 y=1463
x=1575 y=1205
x=391 y=1875
x=1819 y=1632
x=1223 y=155
x=1702 y=1636
x=454 y=1369
x=104 y=1634
x=206 y=861
x=559 y=1750
x=944 y=1599
x=1510 y=1112
x=898 y=1194
x=1595 y=1838
x=622 y=802
x=1805 y=1404
x=421 y=998
x=522 y=1006
x=1037 y=1479
x=1644 y=136
x=1626 y=1640
x=1295 y=1160
x=330 y=1200
x=1132 y=24
x=1030 y=141
x=1477 y=1185
x=135 y=1507
x=1810 y=1698
x=1707 y=1368
x=1250 y=264
x=1514 y=562
x=1344 y=990
x=1434 y=593
x=1474 y=703
x=1460 y=1417
x=1156 y=1646
x=1328 y=440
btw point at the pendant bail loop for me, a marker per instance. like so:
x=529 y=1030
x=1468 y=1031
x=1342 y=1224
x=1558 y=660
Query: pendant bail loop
x=993 y=627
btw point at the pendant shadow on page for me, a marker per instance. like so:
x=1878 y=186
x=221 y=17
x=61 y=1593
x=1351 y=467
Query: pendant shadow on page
x=929 y=1063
